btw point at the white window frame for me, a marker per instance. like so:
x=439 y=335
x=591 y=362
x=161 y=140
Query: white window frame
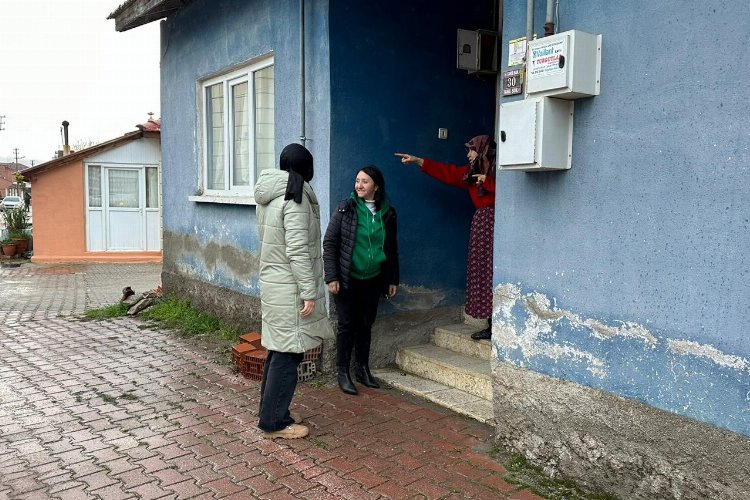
x=230 y=194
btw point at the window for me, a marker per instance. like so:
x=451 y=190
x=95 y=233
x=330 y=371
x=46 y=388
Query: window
x=238 y=129
x=95 y=186
x=152 y=187
x=123 y=188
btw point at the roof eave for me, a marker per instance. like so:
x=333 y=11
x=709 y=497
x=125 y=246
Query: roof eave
x=134 y=13
x=84 y=153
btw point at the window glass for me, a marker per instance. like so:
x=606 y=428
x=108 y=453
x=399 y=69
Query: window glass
x=264 y=120
x=240 y=135
x=95 y=186
x=215 y=136
x=152 y=187
x=238 y=115
x=123 y=188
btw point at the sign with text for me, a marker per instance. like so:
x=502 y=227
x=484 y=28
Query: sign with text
x=512 y=82
x=516 y=51
x=547 y=59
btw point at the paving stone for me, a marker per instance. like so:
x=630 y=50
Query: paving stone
x=67 y=431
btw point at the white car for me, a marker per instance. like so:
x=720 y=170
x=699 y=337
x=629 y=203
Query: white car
x=11 y=202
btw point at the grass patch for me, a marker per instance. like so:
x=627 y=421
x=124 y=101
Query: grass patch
x=318 y=383
x=179 y=315
x=107 y=398
x=319 y=443
x=525 y=475
x=108 y=312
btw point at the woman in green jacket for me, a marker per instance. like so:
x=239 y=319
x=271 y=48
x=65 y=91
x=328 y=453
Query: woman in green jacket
x=360 y=252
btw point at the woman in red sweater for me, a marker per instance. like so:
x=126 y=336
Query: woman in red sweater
x=478 y=178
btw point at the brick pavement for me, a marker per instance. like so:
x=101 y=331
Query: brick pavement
x=113 y=410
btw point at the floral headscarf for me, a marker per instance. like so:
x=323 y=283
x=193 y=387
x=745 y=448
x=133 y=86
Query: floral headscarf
x=484 y=163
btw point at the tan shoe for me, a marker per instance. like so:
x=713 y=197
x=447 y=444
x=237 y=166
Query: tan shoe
x=296 y=417
x=293 y=431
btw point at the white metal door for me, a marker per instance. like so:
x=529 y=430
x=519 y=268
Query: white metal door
x=124 y=208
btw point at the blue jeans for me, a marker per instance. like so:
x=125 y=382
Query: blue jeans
x=277 y=389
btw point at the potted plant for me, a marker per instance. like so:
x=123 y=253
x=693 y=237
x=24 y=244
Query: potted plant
x=9 y=247
x=17 y=222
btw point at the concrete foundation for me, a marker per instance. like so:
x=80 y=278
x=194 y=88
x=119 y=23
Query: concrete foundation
x=391 y=331
x=611 y=444
x=229 y=306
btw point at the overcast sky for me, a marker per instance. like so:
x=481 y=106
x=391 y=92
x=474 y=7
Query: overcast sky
x=63 y=60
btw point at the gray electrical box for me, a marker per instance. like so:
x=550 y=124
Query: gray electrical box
x=566 y=65
x=536 y=134
x=477 y=51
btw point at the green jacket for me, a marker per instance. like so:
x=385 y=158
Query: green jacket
x=291 y=266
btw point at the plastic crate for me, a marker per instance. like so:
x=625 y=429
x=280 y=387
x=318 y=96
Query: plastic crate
x=305 y=371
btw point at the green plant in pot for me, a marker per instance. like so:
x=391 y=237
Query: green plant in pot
x=17 y=222
x=9 y=247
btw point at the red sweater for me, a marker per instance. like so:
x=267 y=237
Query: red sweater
x=453 y=175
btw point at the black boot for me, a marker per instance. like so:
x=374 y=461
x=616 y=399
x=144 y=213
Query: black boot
x=363 y=375
x=345 y=381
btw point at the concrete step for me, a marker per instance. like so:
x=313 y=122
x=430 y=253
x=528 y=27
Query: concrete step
x=454 y=399
x=457 y=338
x=446 y=367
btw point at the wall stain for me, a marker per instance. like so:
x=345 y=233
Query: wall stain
x=690 y=348
x=538 y=325
x=540 y=316
x=183 y=254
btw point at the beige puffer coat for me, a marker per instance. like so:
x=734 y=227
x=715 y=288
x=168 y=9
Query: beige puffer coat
x=291 y=266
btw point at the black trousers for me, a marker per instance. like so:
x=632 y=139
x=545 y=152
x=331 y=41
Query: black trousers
x=277 y=389
x=357 y=307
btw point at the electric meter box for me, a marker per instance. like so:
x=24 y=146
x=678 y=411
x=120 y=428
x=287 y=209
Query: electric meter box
x=536 y=134
x=566 y=65
x=476 y=51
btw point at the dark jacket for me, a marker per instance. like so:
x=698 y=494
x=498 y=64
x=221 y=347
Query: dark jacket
x=338 y=246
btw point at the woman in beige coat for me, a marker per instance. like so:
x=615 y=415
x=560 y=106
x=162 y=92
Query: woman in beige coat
x=292 y=290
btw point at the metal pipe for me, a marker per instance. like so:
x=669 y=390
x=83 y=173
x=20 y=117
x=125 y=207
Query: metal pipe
x=302 y=137
x=66 y=145
x=499 y=78
x=529 y=22
x=549 y=22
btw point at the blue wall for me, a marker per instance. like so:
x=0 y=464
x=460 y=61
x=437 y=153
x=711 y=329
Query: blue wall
x=205 y=38
x=629 y=272
x=387 y=88
x=394 y=82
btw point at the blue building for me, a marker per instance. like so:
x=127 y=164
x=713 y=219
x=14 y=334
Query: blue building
x=619 y=354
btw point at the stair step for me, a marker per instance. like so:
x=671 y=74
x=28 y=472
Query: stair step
x=467 y=373
x=454 y=399
x=457 y=338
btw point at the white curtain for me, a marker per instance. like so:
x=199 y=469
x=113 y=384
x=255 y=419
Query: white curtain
x=240 y=135
x=123 y=188
x=215 y=133
x=152 y=187
x=264 y=120
x=95 y=186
